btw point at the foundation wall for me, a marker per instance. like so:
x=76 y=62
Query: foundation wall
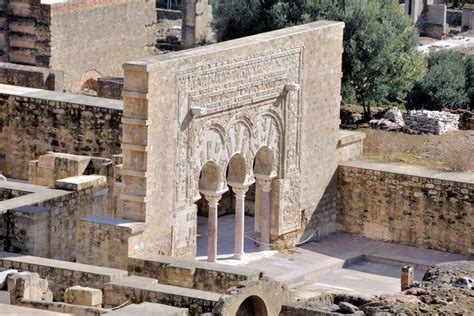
x=61 y=274
x=34 y=122
x=31 y=77
x=408 y=205
x=139 y=289
x=189 y=273
x=43 y=223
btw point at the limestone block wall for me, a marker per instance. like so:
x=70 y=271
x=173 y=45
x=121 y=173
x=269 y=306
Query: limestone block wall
x=287 y=80
x=139 y=289
x=409 y=205
x=106 y=241
x=61 y=274
x=10 y=193
x=106 y=34
x=190 y=273
x=34 y=122
x=31 y=76
x=28 y=33
x=43 y=223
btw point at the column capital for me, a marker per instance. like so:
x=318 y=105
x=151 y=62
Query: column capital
x=239 y=189
x=265 y=182
x=211 y=197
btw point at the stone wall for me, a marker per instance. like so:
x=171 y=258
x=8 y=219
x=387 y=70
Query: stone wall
x=10 y=193
x=434 y=21
x=432 y=122
x=405 y=204
x=106 y=34
x=34 y=122
x=110 y=87
x=61 y=274
x=31 y=77
x=43 y=223
x=139 y=289
x=240 y=86
x=190 y=273
x=99 y=236
x=27 y=33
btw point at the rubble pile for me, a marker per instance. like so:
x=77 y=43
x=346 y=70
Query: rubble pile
x=431 y=122
x=440 y=293
x=392 y=120
x=466 y=118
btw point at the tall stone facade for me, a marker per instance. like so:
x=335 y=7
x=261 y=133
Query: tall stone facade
x=271 y=98
x=105 y=34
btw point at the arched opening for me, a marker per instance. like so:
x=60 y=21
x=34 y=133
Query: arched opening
x=264 y=161
x=90 y=87
x=252 y=305
x=88 y=84
x=210 y=177
x=209 y=182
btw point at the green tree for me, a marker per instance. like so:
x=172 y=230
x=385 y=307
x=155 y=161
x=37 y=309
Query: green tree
x=380 y=60
x=470 y=80
x=445 y=83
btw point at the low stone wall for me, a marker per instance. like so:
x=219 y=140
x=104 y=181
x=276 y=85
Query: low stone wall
x=466 y=118
x=350 y=145
x=138 y=289
x=434 y=21
x=405 y=204
x=454 y=17
x=61 y=274
x=117 y=236
x=110 y=87
x=31 y=77
x=190 y=273
x=61 y=307
x=165 y=14
x=43 y=223
x=34 y=122
x=7 y=193
x=432 y=122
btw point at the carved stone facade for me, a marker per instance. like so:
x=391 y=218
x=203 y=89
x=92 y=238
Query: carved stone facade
x=200 y=121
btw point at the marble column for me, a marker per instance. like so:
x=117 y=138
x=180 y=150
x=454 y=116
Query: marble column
x=213 y=201
x=239 y=220
x=265 y=185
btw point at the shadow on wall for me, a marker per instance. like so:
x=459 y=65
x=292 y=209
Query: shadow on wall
x=322 y=221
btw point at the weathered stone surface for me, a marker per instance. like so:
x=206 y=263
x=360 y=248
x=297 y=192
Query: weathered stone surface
x=61 y=274
x=31 y=77
x=214 y=103
x=29 y=286
x=39 y=221
x=84 y=296
x=190 y=273
x=34 y=122
x=410 y=205
x=433 y=122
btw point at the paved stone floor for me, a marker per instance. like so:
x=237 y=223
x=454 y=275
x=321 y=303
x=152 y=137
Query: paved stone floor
x=341 y=261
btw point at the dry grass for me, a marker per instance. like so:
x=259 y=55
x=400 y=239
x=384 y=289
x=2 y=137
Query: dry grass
x=452 y=151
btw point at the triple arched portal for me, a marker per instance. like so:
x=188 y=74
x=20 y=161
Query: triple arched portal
x=238 y=180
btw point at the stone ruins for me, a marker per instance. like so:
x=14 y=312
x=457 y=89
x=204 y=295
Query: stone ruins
x=433 y=122
x=195 y=182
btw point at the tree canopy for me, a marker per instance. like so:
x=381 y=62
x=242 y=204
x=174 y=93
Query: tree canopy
x=380 y=60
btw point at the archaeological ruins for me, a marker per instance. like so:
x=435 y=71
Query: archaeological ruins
x=207 y=181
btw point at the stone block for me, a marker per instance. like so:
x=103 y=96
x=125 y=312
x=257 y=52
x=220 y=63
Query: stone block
x=84 y=296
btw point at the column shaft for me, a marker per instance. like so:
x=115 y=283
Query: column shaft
x=212 y=230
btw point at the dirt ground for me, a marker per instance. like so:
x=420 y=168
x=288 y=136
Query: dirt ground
x=452 y=151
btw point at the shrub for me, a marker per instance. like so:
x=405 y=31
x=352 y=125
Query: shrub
x=380 y=60
x=444 y=85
